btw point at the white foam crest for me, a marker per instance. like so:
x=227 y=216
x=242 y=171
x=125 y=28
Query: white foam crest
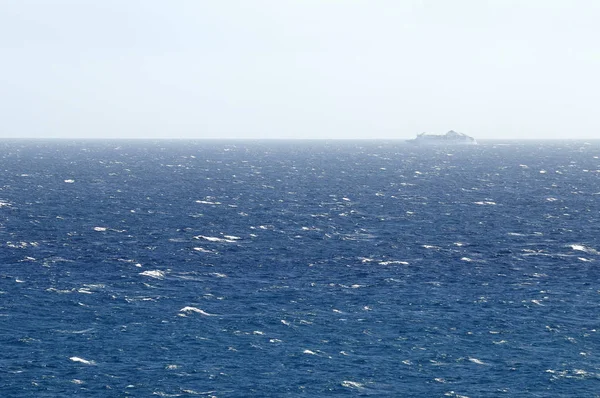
x=202 y=250
x=455 y=395
x=154 y=274
x=309 y=352
x=572 y=374
x=585 y=249
x=485 y=203
x=207 y=202
x=100 y=229
x=214 y=239
x=310 y=229
x=195 y=310
x=393 y=262
x=81 y=360
x=134 y=299
x=193 y=392
x=52 y=289
x=76 y=331
x=20 y=245
x=352 y=384
x=70 y=181
x=477 y=361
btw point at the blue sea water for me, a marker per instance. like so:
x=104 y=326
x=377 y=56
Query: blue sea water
x=302 y=268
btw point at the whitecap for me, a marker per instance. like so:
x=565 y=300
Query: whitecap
x=309 y=352
x=477 y=361
x=393 y=262
x=214 y=239
x=81 y=360
x=100 y=229
x=154 y=274
x=196 y=310
x=202 y=250
x=70 y=181
x=351 y=384
x=585 y=249
x=206 y=202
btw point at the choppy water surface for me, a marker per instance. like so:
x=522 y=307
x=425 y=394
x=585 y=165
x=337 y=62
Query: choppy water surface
x=234 y=269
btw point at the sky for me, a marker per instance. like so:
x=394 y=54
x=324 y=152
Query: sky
x=493 y=69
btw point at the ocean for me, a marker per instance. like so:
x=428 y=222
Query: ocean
x=299 y=268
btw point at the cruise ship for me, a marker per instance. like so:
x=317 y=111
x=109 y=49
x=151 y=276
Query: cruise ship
x=450 y=138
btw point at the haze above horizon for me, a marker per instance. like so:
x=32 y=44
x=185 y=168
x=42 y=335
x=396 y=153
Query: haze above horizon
x=495 y=69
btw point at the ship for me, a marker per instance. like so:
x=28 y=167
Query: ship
x=450 y=138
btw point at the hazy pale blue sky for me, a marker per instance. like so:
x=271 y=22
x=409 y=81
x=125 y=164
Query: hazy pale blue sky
x=299 y=68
